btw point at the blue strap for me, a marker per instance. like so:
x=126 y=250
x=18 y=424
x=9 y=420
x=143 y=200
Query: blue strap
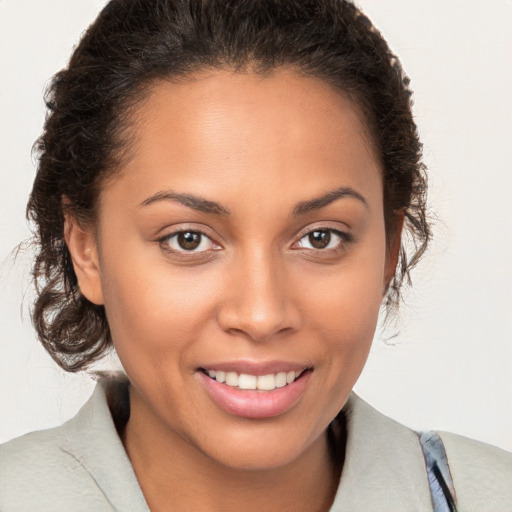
x=438 y=472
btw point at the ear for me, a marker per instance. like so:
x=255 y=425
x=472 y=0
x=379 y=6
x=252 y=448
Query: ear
x=393 y=248
x=82 y=246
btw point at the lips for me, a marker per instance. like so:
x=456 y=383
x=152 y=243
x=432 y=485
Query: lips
x=255 y=391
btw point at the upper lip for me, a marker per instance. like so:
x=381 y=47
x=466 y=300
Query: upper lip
x=257 y=368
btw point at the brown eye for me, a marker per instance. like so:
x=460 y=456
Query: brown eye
x=189 y=240
x=319 y=239
x=323 y=239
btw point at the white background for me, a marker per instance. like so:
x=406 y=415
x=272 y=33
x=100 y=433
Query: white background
x=450 y=367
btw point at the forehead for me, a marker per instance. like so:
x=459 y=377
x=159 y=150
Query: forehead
x=237 y=132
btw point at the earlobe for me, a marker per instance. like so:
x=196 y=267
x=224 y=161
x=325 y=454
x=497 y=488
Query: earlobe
x=82 y=246
x=393 y=248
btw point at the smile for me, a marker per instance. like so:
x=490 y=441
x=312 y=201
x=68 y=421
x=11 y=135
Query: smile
x=246 y=381
x=270 y=393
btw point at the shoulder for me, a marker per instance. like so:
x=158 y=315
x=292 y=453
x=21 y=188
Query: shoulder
x=385 y=464
x=80 y=466
x=38 y=473
x=482 y=474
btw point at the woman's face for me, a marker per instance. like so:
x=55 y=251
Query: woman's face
x=243 y=242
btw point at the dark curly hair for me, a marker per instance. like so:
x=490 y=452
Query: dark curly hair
x=134 y=43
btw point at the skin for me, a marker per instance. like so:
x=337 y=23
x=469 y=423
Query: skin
x=255 y=290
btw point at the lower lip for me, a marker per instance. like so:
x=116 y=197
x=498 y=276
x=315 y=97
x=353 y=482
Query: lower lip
x=252 y=403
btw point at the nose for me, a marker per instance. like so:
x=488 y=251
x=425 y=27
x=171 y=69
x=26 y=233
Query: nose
x=259 y=303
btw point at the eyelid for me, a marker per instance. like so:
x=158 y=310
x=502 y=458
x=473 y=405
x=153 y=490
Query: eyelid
x=344 y=235
x=184 y=229
x=325 y=226
x=180 y=227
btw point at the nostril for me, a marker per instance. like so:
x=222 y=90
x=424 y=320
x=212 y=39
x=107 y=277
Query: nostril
x=259 y=333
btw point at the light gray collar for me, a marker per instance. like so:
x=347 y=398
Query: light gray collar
x=384 y=468
x=91 y=438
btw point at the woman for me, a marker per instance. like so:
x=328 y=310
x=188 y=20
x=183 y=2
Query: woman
x=221 y=195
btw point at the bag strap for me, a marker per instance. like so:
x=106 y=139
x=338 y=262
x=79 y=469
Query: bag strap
x=438 y=472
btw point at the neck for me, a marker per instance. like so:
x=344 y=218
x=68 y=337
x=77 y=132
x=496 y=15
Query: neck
x=174 y=475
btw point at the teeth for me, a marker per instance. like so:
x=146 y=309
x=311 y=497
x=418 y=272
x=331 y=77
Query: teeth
x=247 y=381
x=232 y=379
x=263 y=382
x=267 y=382
x=280 y=379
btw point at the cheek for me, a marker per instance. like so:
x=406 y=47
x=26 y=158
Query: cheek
x=348 y=329
x=348 y=301
x=153 y=309
x=344 y=310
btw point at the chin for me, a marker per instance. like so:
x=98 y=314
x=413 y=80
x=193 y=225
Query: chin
x=256 y=458
x=261 y=449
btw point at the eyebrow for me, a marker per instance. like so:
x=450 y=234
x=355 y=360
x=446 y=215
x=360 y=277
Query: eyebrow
x=206 y=206
x=195 y=202
x=324 y=200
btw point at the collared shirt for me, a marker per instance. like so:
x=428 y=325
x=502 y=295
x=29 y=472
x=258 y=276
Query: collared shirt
x=82 y=466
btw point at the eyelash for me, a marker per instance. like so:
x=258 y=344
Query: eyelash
x=164 y=242
x=344 y=238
